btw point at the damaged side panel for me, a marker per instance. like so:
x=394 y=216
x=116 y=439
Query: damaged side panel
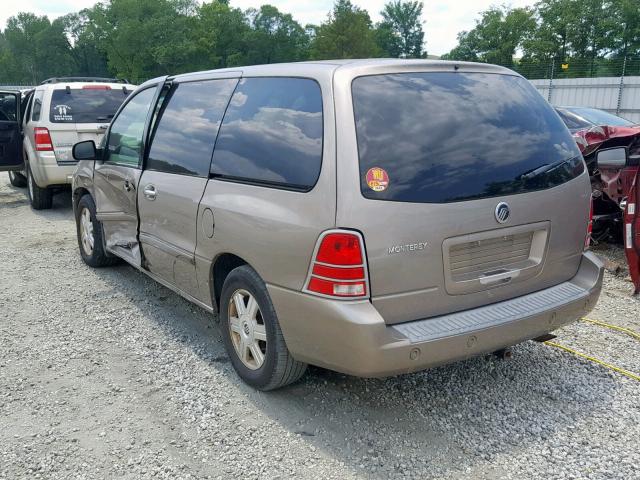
x=115 y=189
x=632 y=232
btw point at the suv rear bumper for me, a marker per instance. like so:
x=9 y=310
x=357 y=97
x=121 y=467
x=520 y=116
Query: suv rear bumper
x=351 y=337
x=46 y=172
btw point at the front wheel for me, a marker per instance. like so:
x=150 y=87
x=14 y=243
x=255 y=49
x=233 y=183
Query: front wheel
x=252 y=334
x=89 y=231
x=17 y=179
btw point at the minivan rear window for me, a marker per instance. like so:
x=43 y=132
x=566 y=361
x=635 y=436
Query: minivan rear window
x=444 y=137
x=87 y=105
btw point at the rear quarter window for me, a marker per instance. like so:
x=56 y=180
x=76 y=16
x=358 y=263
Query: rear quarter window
x=86 y=105
x=272 y=134
x=37 y=105
x=444 y=137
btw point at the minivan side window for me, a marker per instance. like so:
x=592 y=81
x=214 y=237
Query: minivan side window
x=37 y=105
x=125 y=136
x=188 y=125
x=272 y=134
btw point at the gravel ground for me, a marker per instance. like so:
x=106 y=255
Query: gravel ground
x=106 y=374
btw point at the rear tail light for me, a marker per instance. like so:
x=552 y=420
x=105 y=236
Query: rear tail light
x=43 y=140
x=96 y=87
x=338 y=268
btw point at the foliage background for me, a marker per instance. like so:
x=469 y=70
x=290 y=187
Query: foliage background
x=140 y=39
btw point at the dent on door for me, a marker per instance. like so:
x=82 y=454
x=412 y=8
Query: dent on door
x=116 y=188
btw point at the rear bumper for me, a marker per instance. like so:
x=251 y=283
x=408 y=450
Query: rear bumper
x=351 y=337
x=46 y=172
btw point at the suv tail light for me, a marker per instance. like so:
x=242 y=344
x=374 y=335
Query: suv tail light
x=43 y=139
x=338 y=268
x=96 y=87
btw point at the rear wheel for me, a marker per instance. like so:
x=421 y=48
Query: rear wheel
x=89 y=231
x=40 y=198
x=252 y=333
x=17 y=179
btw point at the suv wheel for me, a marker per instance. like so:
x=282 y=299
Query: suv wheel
x=89 y=231
x=252 y=334
x=40 y=198
x=17 y=179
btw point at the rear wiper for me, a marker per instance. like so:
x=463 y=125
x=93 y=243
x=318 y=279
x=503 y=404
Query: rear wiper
x=546 y=168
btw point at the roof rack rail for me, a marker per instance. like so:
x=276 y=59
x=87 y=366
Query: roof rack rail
x=83 y=79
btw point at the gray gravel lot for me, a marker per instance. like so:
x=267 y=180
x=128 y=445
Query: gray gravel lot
x=106 y=374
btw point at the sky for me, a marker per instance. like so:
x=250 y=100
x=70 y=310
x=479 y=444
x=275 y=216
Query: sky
x=443 y=19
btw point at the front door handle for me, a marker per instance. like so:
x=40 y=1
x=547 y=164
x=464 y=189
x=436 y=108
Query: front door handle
x=150 y=192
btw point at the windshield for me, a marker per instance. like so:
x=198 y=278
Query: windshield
x=600 y=117
x=445 y=137
x=89 y=105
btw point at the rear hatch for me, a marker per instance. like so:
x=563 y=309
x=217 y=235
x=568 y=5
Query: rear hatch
x=468 y=190
x=82 y=113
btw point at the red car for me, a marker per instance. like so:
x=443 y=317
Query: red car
x=611 y=147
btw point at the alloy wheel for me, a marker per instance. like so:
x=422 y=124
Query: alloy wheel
x=86 y=231
x=248 y=332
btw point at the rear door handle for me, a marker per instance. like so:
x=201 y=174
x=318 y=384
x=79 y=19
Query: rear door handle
x=499 y=277
x=150 y=192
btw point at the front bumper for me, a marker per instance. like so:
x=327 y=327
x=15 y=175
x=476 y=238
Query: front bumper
x=351 y=337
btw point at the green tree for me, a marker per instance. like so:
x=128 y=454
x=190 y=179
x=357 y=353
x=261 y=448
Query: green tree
x=274 y=37
x=347 y=33
x=400 y=33
x=34 y=48
x=89 y=58
x=497 y=36
x=220 y=34
x=146 y=38
x=625 y=36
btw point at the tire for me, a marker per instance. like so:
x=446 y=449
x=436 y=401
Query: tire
x=17 y=179
x=91 y=245
x=40 y=198
x=278 y=367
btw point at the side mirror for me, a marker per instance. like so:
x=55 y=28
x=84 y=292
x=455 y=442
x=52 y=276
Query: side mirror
x=85 y=150
x=612 y=158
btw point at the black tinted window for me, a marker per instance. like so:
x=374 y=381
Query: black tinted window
x=37 y=105
x=93 y=104
x=444 y=137
x=8 y=107
x=272 y=133
x=188 y=125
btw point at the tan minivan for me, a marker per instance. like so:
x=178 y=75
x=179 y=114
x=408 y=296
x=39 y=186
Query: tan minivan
x=373 y=217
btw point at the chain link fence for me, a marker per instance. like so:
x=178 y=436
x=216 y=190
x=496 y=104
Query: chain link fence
x=578 y=68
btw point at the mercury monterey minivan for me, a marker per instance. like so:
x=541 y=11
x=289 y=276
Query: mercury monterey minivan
x=373 y=217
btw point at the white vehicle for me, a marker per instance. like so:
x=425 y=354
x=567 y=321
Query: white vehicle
x=55 y=115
